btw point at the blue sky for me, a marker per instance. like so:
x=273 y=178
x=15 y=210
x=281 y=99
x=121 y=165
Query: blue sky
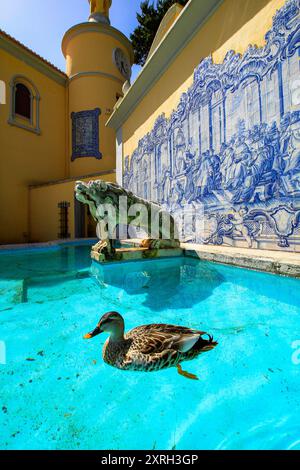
x=41 y=24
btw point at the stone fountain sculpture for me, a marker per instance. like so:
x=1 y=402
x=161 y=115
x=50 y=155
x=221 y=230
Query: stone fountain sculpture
x=100 y=195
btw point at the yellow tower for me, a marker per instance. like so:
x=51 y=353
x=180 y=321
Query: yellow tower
x=98 y=63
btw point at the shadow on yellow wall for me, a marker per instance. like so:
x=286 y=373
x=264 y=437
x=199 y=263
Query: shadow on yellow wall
x=44 y=211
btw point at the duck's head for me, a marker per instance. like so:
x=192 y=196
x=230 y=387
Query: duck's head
x=111 y=322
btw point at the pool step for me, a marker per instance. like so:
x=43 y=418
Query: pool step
x=12 y=292
x=57 y=278
x=55 y=286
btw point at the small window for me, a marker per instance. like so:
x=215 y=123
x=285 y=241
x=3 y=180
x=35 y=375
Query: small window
x=24 y=104
x=2 y=92
x=23 y=101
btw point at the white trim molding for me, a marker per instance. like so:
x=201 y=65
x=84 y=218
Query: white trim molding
x=97 y=28
x=24 y=54
x=94 y=74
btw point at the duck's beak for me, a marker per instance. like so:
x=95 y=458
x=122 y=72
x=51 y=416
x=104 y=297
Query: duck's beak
x=94 y=333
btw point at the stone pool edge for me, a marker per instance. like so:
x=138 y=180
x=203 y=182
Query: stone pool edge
x=285 y=264
x=276 y=262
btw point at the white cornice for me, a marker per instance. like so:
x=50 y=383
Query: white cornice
x=192 y=18
x=95 y=74
x=73 y=178
x=169 y=17
x=30 y=58
x=97 y=28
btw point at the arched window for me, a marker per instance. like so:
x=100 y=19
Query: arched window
x=22 y=101
x=24 y=104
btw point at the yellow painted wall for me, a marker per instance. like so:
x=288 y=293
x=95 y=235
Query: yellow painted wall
x=90 y=51
x=44 y=213
x=27 y=158
x=95 y=83
x=234 y=25
x=86 y=93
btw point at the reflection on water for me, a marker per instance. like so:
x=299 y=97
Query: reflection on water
x=169 y=284
x=44 y=262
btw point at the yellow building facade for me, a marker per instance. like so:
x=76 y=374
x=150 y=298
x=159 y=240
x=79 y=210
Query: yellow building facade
x=52 y=128
x=211 y=120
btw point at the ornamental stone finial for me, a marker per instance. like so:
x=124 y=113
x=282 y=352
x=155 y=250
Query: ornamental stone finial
x=100 y=11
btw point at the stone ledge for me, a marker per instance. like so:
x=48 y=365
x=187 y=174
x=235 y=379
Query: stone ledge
x=15 y=248
x=287 y=264
x=280 y=262
x=136 y=254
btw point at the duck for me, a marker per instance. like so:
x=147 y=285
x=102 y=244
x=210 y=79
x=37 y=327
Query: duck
x=150 y=348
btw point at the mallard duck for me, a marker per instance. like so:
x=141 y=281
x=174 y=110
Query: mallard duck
x=151 y=347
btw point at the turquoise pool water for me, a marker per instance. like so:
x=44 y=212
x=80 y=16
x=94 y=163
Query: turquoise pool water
x=56 y=392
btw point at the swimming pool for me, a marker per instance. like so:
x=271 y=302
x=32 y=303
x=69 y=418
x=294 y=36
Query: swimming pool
x=56 y=392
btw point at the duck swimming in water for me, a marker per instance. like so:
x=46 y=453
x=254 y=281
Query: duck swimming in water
x=151 y=347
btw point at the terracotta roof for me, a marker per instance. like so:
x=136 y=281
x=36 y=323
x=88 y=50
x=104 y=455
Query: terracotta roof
x=30 y=51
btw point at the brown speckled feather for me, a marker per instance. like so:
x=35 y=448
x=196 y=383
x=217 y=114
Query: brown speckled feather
x=155 y=347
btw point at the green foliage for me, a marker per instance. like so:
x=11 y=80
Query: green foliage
x=149 y=20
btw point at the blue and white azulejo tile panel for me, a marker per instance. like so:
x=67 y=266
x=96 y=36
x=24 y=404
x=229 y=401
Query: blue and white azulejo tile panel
x=232 y=145
x=85 y=134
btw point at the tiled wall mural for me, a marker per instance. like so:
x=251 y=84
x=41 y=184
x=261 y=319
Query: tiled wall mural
x=233 y=145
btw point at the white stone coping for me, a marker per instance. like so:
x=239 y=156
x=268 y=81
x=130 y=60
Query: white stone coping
x=277 y=262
